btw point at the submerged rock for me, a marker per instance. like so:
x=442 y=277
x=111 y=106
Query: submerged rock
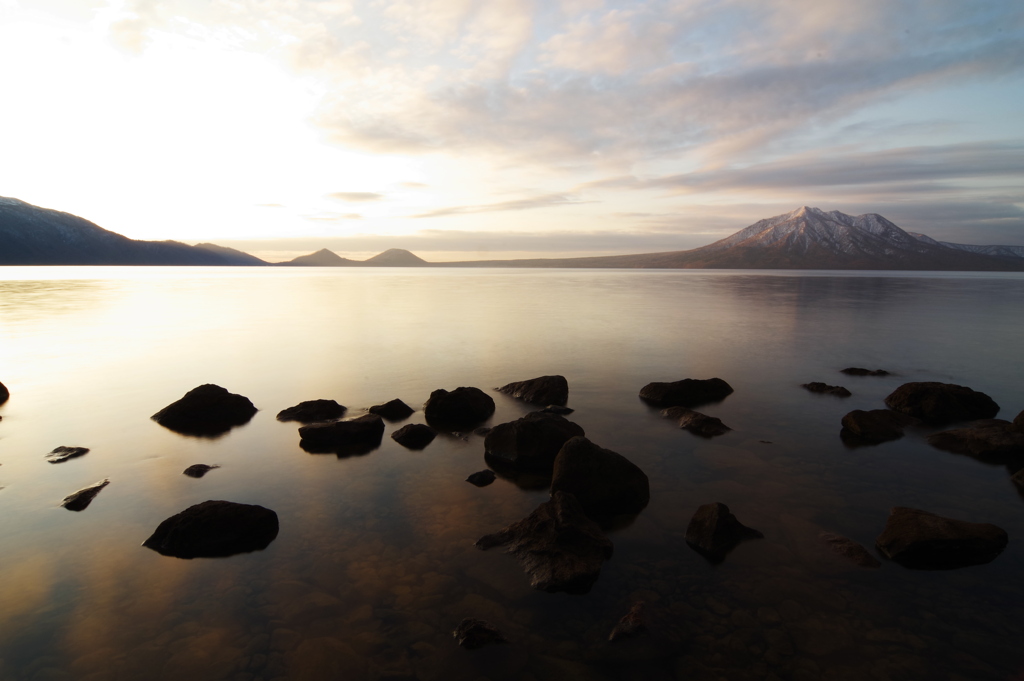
x=531 y=442
x=925 y=541
x=714 y=531
x=560 y=548
x=991 y=440
x=414 y=435
x=604 y=482
x=208 y=410
x=850 y=550
x=395 y=410
x=215 y=529
x=857 y=371
x=689 y=392
x=62 y=454
x=825 y=389
x=696 y=422
x=472 y=634
x=355 y=436
x=481 y=478
x=941 y=402
x=557 y=409
x=312 y=411
x=198 y=470
x=540 y=390
x=461 y=409
x=5 y=394
x=78 y=501
x=631 y=623
x=873 y=427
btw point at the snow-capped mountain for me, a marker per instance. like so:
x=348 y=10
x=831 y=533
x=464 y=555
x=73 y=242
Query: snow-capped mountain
x=1001 y=251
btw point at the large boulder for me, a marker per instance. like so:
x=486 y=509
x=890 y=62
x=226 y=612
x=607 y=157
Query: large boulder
x=604 y=482
x=541 y=390
x=312 y=411
x=414 y=435
x=941 y=402
x=826 y=389
x=990 y=440
x=355 y=436
x=696 y=422
x=460 y=409
x=207 y=411
x=5 y=394
x=394 y=410
x=80 y=500
x=874 y=426
x=531 y=442
x=925 y=541
x=689 y=392
x=215 y=529
x=560 y=548
x=714 y=531
x=850 y=550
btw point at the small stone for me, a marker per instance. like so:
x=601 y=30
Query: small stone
x=312 y=411
x=473 y=633
x=940 y=403
x=531 y=442
x=395 y=410
x=541 y=390
x=825 y=389
x=696 y=422
x=215 y=529
x=355 y=436
x=5 y=394
x=714 y=531
x=873 y=427
x=851 y=550
x=414 y=435
x=857 y=371
x=461 y=409
x=557 y=409
x=62 y=454
x=631 y=623
x=78 y=501
x=689 y=392
x=482 y=478
x=198 y=470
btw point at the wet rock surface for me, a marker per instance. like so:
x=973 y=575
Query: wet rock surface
x=481 y=478
x=62 y=454
x=850 y=550
x=215 y=529
x=991 y=440
x=604 y=482
x=873 y=427
x=924 y=541
x=696 y=422
x=473 y=633
x=461 y=409
x=1018 y=421
x=560 y=548
x=80 y=500
x=393 y=410
x=689 y=392
x=198 y=470
x=312 y=411
x=355 y=436
x=557 y=409
x=858 y=371
x=5 y=394
x=414 y=436
x=825 y=389
x=540 y=390
x=939 y=403
x=631 y=623
x=207 y=411
x=531 y=442
x=714 y=531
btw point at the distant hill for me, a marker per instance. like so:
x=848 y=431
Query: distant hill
x=30 y=235
x=322 y=258
x=396 y=257
x=393 y=257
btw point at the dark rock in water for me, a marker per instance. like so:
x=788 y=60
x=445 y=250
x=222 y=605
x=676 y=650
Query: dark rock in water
x=991 y=440
x=62 y=454
x=924 y=541
x=631 y=623
x=355 y=436
x=696 y=422
x=482 y=431
x=395 y=410
x=873 y=427
x=560 y=548
x=1018 y=479
x=208 y=410
x=472 y=634
x=557 y=409
x=941 y=402
x=857 y=371
x=215 y=529
x=79 y=500
x=461 y=409
x=312 y=411
x=531 y=442
x=5 y=394
x=198 y=470
x=1018 y=421
x=414 y=436
x=714 y=531
x=604 y=482
x=481 y=478
x=850 y=550
x=825 y=389
x=541 y=390
x=689 y=392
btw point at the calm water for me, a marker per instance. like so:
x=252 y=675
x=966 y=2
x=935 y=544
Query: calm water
x=375 y=565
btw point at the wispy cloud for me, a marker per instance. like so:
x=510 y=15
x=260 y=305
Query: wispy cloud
x=546 y=201
x=355 y=197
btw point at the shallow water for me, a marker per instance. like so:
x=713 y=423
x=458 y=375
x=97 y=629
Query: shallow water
x=375 y=565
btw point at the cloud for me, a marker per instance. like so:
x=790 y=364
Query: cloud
x=333 y=217
x=546 y=201
x=355 y=197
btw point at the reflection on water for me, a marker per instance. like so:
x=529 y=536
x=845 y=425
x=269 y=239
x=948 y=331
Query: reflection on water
x=374 y=564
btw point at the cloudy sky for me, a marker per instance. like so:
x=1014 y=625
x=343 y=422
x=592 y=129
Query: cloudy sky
x=507 y=128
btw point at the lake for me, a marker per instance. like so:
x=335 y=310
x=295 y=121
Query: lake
x=374 y=565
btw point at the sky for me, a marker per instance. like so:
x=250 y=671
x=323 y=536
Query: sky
x=465 y=129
